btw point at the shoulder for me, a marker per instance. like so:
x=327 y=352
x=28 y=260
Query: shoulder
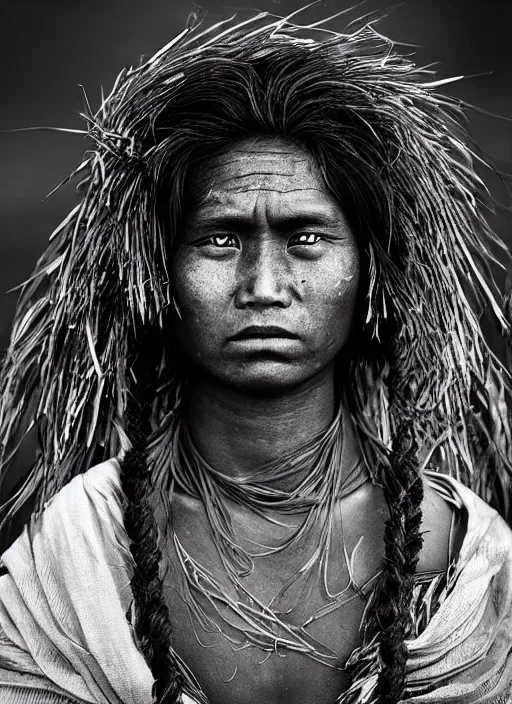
x=469 y=633
x=484 y=529
x=455 y=522
x=66 y=593
x=86 y=514
x=96 y=491
x=100 y=483
x=366 y=512
x=441 y=528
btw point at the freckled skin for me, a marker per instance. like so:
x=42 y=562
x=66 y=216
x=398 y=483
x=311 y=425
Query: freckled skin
x=254 y=269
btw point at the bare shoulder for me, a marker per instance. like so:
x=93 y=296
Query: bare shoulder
x=436 y=528
x=366 y=512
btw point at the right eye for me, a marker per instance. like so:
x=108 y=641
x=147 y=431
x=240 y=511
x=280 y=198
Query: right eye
x=221 y=241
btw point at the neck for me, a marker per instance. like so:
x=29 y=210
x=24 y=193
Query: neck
x=237 y=432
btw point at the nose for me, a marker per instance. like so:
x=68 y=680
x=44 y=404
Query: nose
x=264 y=278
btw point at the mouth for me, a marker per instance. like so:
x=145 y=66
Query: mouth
x=258 y=332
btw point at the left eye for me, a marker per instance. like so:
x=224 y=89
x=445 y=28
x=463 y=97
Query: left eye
x=305 y=238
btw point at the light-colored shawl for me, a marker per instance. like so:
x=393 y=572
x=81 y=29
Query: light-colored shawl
x=64 y=636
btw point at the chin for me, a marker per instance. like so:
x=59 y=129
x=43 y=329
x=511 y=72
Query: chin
x=267 y=378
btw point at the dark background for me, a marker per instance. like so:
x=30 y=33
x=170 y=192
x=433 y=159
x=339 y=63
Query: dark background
x=47 y=48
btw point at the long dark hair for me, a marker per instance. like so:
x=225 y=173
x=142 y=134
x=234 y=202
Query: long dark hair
x=395 y=154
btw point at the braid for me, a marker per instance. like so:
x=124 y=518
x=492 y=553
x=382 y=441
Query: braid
x=152 y=625
x=402 y=538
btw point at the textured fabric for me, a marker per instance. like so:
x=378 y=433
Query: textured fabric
x=465 y=654
x=64 y=635
x=22 y=695
x=67 y=593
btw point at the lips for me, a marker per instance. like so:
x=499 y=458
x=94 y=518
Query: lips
x=263 y=331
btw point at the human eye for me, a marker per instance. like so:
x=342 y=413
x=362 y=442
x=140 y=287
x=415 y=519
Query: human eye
x=219 y=241
x=305 y=238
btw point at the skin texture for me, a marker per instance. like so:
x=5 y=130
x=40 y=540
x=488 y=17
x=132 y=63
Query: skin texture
x=248 y=403
x=264 y=243
x=267 y=245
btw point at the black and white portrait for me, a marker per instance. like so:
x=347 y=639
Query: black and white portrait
x=255 y=384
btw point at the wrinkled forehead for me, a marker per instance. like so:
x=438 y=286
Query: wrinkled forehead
x=270 y=165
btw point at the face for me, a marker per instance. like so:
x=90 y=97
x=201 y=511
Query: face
x=266 y=271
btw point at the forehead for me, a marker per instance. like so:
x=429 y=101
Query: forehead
x=270 y=173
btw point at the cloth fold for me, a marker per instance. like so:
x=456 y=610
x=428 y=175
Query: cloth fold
x=64 y=634
x=64 y=599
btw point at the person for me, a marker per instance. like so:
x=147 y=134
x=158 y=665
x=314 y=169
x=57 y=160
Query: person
x=271 y=428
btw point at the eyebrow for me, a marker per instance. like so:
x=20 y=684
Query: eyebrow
x=244 y=223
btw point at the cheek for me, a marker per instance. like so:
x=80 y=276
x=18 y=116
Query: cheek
x=335 y=295
x=200 y=294
x=196 y=289
x=344 y=294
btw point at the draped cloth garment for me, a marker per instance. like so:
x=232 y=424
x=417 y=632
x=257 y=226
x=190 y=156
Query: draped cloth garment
x=65 y=592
